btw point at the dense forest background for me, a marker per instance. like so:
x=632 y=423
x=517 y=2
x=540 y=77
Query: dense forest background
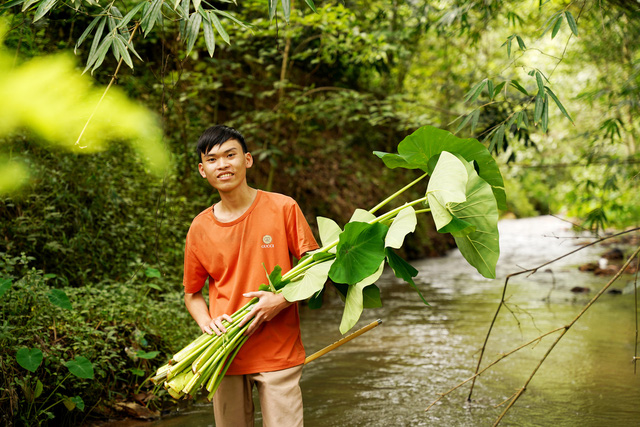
x=552 y=88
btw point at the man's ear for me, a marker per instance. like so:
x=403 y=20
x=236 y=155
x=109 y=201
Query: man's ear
x=201 y=170
x=248 y=159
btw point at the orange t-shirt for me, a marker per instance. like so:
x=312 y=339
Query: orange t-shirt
x=231 y=255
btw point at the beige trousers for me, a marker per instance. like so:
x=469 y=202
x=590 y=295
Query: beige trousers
x=280 y=399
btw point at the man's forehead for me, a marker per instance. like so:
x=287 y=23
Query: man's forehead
x=228 y=145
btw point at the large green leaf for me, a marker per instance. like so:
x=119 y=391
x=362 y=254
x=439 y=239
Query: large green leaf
x=404 y=223
x=329 y=231
x=416 y=149
x=360 y=215
x=354 y=303
x=360 y=252
x=5 y=285
x=312 y=282
x=447 y=186
x=480 y=248
x=403 y=270
x=59 y=297
x=29 y=358
x=81 y=367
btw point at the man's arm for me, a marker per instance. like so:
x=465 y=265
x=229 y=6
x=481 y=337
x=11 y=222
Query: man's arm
x=197 y=307
x=267 y=308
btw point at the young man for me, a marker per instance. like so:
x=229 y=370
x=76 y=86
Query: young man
x=228 y=244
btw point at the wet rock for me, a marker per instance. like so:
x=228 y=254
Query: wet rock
x=613 y=254
x=590 y=266
x=136 y=410
x=580 y=290
x=614 y=291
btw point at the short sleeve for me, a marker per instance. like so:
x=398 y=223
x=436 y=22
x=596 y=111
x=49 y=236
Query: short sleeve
x=299 y=235
x=195 y=275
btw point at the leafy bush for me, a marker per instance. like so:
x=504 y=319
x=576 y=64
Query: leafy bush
x=69 y=349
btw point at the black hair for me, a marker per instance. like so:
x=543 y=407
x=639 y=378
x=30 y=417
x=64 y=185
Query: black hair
x=218 y=135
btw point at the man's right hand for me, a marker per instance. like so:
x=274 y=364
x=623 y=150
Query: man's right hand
x=215 y=326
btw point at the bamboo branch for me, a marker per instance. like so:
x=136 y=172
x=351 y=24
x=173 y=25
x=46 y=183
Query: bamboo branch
x=566 y=328
x=113 y=79
x=530 y=272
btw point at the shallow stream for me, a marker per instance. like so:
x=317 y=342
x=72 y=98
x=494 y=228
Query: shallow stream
x=389 y=375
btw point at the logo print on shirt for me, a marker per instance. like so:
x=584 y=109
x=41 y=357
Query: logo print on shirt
x=266 y=239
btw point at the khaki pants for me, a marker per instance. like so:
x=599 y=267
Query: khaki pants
x=280 y=399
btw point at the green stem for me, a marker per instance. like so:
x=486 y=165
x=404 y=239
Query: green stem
x=52 y=393
x=397 y=193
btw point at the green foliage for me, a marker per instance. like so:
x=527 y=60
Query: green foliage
x=59 y=361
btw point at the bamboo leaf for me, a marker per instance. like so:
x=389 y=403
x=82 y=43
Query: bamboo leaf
x=127 y=18
x=216 y=23
x=539 y=106
x=43 y=8
x=27 y=4
x=286 y=7
x=518 y=86
x=512 y=119
x=499 y=87
x=272 y=9
x=519 y=120
x=525 y=119
x=473 y=94
x=122 y=48
x=209 y=35
x=497 y=139
x=545 y=114
x=196 y=4
x=556 y=26
x=521 y=43
x=540 y=82
x=95 y=44
x=86 y=32
x=558 y=103
x=490 y=89
x=231 y=17
x=463 y=123
x=311 y=5
x=193 y=29
x=572 y=22
x=151 y=16
x=102 y=52
x=474 y=121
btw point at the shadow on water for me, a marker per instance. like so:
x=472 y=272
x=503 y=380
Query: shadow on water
x=389 y=375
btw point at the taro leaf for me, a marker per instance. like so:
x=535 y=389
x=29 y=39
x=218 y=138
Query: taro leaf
x=354 y=303
x=403 y=270
x=5 y=285
x=144 y=355
x=275 y=278
x=416 y=149
x=480 y=248
x=59 y=297
x=360 y=252
x=360 y=215
x=81 y=367
x=312 y=282
x=137 y=372
x=447 y=186
x=152 y=272
x=403 y=224
x=371 y=297
x=29 y=359
x=79 y=402
x=315 y=302
x=329 y=232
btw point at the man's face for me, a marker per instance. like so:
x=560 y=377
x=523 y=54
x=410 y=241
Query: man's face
x=225 y=166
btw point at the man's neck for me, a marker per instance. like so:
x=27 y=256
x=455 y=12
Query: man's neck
x=233 y=204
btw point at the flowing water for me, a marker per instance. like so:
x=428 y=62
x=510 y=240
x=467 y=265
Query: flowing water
x=389 y=375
